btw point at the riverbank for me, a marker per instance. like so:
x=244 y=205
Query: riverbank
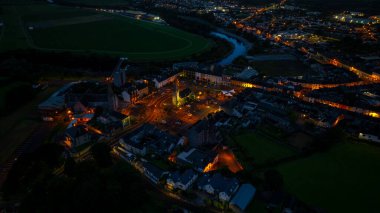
x=239 y=49
x=246 y=43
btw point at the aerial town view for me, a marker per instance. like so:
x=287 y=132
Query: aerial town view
x=262 y=106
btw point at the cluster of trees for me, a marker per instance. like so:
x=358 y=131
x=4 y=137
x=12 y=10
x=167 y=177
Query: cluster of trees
x=351 y=45
x=89 y=186
x=30 y=65
x=20 y=69
x=15 y=95
x=217 y=52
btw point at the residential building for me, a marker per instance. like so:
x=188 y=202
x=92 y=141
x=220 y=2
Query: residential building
x=181 y=180
x=222 y=188
x=149 y=139
x=196 y=158
x=152 y=172
x=242 y=198
x=77 y=135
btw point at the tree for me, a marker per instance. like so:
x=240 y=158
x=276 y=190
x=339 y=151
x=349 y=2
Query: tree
x=32 y=168
x=90 y=189
x=329 y=138
x=102 y=154
x=273 y=180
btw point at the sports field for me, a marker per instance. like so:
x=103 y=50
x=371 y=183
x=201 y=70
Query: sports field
x=58 y=28
x=343 y=179
x=99 y=2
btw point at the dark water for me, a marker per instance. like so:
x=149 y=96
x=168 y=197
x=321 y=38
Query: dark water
x=239 y=49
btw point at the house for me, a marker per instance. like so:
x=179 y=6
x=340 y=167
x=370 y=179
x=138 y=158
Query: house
x=369 y=137
x=133 y=145
x=118 y=117
x=90 y=93
x=204 y=132
x=124 y=154
x=79 y=107
x=327 y=120
x=196 y=158
x=247 y=73
x=77 y=135
x=163 y=80
x=242 y=198
x=149 y=139
x=133 y=93
x=181 y=180
x=110 y=122
x=222 y=188
x=152 y=172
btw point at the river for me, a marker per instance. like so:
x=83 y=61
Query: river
x=240 y=49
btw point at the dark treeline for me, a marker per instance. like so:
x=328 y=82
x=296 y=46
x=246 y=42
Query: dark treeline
x=88 y=186
x=26 y=63
x=20 y=69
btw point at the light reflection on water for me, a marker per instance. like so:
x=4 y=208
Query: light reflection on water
x=239 y=49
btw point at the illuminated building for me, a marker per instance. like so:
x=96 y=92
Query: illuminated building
x=369 y=137
x=176 y=98
x=119 y=76
x=179 y=97
x=196 y=158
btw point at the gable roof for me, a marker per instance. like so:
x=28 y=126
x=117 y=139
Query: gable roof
x=76 y=131
x=183 y=177
x=118 y=115
x=244 y=196
x=219 y=183
x=153 y=170
x=152 y=137
x=197 y=157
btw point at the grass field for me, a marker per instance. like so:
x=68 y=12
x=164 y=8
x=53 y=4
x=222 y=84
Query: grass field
x=280 y=68
x=343 y=179
x=100 y=2
x=58 y=28
x=262 y=148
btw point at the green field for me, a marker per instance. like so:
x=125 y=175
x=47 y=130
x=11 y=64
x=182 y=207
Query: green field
x=343 y=179
x=262 y=148
x=58 y=28
x=100 y=2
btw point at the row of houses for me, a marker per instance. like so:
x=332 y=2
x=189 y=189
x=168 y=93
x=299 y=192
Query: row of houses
x=229 y=192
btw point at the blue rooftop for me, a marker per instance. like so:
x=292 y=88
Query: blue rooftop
x=244 y=196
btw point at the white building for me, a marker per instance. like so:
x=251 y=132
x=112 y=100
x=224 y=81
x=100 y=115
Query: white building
x=369 y=137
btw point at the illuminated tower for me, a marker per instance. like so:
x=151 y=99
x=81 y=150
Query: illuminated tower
x=176 y=98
